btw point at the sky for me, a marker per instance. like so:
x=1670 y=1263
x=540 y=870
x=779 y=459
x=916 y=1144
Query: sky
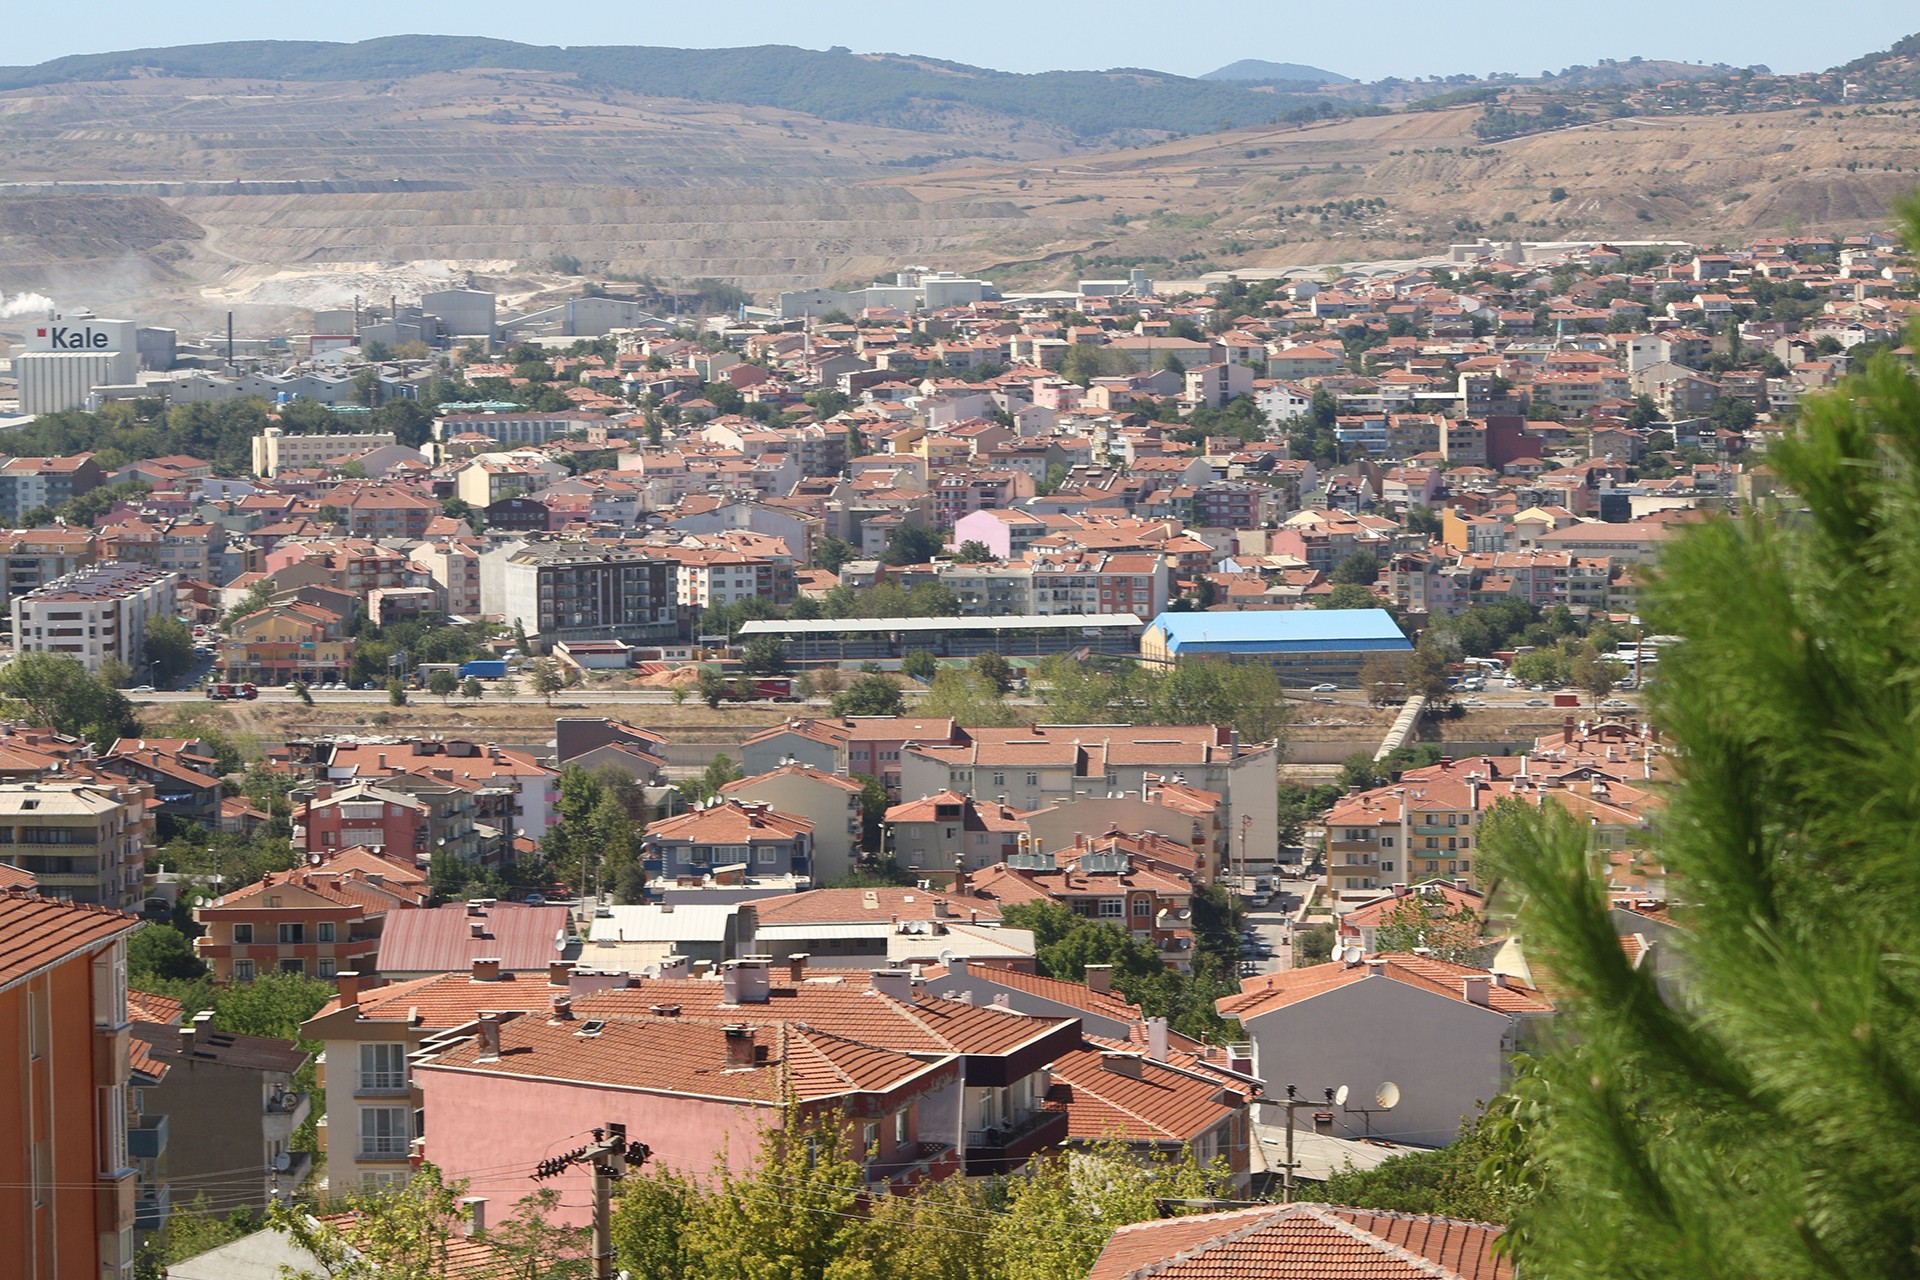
x=1405 y=38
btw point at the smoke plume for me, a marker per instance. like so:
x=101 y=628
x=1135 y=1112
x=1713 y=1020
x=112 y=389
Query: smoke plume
x=23 y=304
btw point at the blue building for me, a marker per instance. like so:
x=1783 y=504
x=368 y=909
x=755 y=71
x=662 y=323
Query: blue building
x=1303 y=645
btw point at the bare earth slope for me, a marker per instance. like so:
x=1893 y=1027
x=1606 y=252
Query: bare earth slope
x=178 y=189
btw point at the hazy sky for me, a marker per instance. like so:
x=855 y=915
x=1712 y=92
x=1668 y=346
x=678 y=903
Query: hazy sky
x=1387 y=37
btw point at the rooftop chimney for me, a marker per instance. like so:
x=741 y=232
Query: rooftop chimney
x=486 y=969
x=1100 y=978
x=1157 y=1039
x=740 y=1046
x=1475 y=986
x=894 y=983
x=476 y=928
x=562 y=1008
x=940 y=911
x=1376 y=966
x=473 y=1215
x=797 y=967
x=489 y=1037
x=559 y=972
x=1121 y=1064
x=347 y=981
x=675 y=966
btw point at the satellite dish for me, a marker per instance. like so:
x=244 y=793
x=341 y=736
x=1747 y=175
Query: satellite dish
x=1340 y=1096
x=282 y=1162
x=313 y=859
x=1387 y=1096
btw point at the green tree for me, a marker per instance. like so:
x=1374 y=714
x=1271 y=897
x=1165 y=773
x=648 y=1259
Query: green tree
x=711 y=687
x=160 y=951
x=1451 y=1182
x=973 y=551
x=197 y=1226
x=870 y=695
x=874 y=803
x=55 y=690
x=963 y=696
x=764 y=655
x=920 y=664
x=1761 y=1122
x=1426 y=920
x=443 y=684
x=910 y=544
x=546 y=678
x=471 y=688
x=1593 y=672
x=1350 y=595
x=168 y=647
x=396 y=691
x=1062 y=1210
x=995 y=670
x=1423 y=520
x=1359 y=568
x=1313 y=945
x=301 y=690
x=258 y=597
x=273 y=1004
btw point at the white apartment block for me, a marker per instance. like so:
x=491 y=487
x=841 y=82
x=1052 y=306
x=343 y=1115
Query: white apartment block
x=275 y=451
x=94 y=614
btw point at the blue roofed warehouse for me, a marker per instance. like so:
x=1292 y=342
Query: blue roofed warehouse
x=1304 y=645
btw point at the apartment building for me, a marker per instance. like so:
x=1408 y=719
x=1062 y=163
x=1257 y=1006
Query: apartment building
x=298 y=922
x=31 y=558
x=228 y=1105
x=728 y=833
x=369 y=1035
x=275 y=451
x=67 y=1144
x=1104 y=885
x=81 y=841
x=572 y=591
x=829 y=801
x=96 y=614
x=44 y=484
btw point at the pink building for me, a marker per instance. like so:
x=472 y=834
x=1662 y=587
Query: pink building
x=702 y=1093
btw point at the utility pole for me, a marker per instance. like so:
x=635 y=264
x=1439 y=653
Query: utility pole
x=608 y=1153
x=1293 y=1102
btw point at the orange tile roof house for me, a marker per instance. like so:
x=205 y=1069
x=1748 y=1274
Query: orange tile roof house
x=296 y=922
x=1443 y=1032
x=703 y=1092
x=369 y=1034
x=730 y=832
x=1304 y=1242
x=67 y=1173
x=1152 y=1106
x=1001 y=1120
x=1101 y=884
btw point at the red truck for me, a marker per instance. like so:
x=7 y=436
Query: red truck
x=760 y=689
x=222 y=692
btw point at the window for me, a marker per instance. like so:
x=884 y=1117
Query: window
x=384 y=1131
x=1386 y=866
x=325 y=928
x=767 y=855
x=326 y=966
x=1143 y=906
x=870 y=1140
x=292 y=933
x=1112 y=908
x=243 y=971
x=293 y=966
x=383 y=1066
x=242 y=934
x=900 y=1128
x=999 y=779
x=1033 y=779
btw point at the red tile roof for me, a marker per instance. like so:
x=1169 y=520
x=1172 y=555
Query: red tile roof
x=36 y=932
x=440 y=939
x=444 y=1000
x=1304 y=1242
x=1160 y=1104
x=845 y=1008
x=688 y=1057
x=858 y=906
x=1273 y=991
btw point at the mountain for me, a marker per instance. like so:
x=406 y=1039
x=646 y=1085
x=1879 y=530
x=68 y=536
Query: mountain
x=1253 y=69
x=888 y=90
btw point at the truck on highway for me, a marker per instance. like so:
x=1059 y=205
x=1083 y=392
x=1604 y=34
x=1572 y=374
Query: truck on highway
x=484 y=669
x=760 y=689
x=221 y=691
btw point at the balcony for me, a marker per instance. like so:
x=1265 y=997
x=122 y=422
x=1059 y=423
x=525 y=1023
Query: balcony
x=287 y=1112
x=151 y=1206
x=1002 y=1150
x=148 y=1139
x=930 y=1162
